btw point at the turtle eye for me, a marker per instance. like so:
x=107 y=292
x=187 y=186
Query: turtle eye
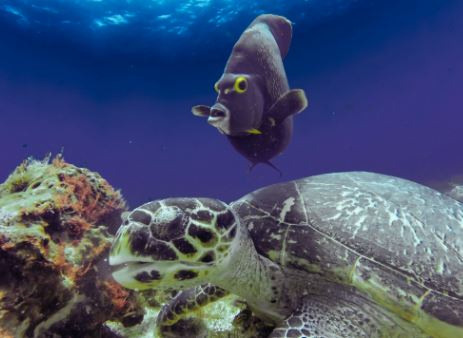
x=241 y=84
x=216 y=87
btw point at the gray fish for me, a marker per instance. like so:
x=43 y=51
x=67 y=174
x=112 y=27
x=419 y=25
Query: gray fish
x=254 y=106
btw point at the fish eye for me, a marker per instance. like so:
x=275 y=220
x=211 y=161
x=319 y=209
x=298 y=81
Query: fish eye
x=216 y=87
x=241 y=84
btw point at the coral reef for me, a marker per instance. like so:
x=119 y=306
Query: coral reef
x=56 y=222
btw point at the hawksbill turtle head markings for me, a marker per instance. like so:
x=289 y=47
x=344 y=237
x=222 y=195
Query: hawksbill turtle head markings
x=173 y=243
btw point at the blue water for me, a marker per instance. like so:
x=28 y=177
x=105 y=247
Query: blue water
x=112 y=83
x=167 y=28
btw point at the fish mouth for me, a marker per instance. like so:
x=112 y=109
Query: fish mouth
x=219 y=118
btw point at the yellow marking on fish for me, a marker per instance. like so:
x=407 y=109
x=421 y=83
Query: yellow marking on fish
x=240 y=85
x=254 y=131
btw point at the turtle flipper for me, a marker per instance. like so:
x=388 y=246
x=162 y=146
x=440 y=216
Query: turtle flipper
x=319 y=319
x=173 y=319
x=290 y=103
x=331 y=317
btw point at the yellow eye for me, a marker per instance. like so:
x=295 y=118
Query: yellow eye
x=241 y=84
x=216 y=87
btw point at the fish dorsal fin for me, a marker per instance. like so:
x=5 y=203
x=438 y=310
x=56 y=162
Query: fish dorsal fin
x=281 y=29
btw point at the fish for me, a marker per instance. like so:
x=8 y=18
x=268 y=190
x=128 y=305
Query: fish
x=254 y=108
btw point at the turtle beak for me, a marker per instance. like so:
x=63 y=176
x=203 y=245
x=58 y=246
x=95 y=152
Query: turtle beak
x=219 y=117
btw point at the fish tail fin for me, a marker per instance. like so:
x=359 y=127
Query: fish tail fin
x=270 y=164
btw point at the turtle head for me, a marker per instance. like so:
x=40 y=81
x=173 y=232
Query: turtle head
x=173 y=243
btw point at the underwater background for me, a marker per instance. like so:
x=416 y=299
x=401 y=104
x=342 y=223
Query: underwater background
x=111 y=84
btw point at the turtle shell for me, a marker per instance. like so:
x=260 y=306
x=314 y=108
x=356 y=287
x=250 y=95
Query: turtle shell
x=399 y=242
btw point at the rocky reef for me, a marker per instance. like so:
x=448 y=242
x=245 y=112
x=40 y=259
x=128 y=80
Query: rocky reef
x=57 y=223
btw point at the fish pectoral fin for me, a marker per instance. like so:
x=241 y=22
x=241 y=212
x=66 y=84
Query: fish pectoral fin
x=290 y=103
x=201 y=110
x=254 y=131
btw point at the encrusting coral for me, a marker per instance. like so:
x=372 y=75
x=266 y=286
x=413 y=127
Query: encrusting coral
x=56 y=226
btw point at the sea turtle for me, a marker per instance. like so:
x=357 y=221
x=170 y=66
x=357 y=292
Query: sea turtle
x=351 y=254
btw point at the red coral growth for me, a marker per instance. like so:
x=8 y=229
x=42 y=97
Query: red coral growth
x=76 y=226
x=79 y=211
x=89 y=202
x=60 y=261
x=83 y=271
x=97 y=253
x=59 y=162
x=5 y=244
x=117 y=294
x=82 y=199
x=5 y=334
x=88 y=199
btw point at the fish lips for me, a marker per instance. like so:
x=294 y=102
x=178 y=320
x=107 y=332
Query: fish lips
x=219 y=117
